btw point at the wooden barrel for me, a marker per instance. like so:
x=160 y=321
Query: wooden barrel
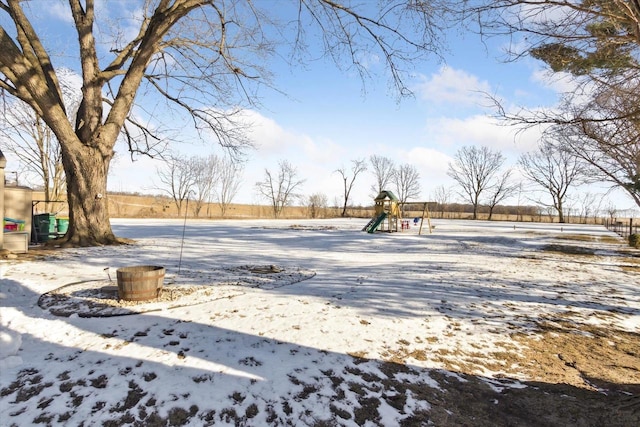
x=140 y=283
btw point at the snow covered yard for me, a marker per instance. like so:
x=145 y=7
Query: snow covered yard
x=479 y=323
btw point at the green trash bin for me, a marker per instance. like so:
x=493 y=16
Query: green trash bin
x=62 y=225
x=45 y=225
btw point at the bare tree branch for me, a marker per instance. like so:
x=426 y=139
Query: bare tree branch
x=230 y=178
x=206 y=60
x=407 y=182
x=357 y=167
x=383 y=169
x=555 y=170
x=177 y=179
x=474 y=169
x=280 y=189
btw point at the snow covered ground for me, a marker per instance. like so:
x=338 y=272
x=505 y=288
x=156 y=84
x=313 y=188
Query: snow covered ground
x=316 y=344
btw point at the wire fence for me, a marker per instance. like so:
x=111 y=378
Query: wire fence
x=623 y=228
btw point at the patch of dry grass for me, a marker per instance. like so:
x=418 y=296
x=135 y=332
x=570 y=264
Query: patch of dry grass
x=590 y=238
x=569 y=250
x=631 y=262
x=585 y=356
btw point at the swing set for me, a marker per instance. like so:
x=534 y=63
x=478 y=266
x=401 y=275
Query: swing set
x=388 y=214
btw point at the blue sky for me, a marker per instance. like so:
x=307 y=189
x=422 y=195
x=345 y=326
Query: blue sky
x=330 y=117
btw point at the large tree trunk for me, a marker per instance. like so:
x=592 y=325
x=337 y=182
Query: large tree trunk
x=86 y=168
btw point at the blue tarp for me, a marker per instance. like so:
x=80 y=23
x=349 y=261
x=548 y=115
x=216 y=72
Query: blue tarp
x=16 y=221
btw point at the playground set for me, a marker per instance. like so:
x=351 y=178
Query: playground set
x=388 y=215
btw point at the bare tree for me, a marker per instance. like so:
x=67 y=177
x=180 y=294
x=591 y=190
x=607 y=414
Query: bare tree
x=194 y=55
x=177 y=179
x=474 y=169
x=553 y=168
x=500 y=190
x=442 y=197
x=280 y=189
x=519 y=207
x=383 y=169
x=357 y=167
x=612 y=211
x=317 y=204
x=598 y=43
x=587 y=205
x=407 y=183
x=25 y=135
x=229 y=179
x=206 y=172
x=610 y=147
x=586 y=38
x=29 y=139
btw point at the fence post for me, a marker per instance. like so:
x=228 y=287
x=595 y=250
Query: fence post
x=630 y=226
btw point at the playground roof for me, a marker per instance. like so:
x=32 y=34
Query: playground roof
x=385 y=194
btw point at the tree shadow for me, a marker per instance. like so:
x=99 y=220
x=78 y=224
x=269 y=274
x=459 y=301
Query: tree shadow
x=424 y=283
x=156 y=370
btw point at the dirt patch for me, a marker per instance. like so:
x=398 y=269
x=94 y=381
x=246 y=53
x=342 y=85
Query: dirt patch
x=38 y=253
x=470 y=401
x=630 y=261
x=313 y=228
x=580 y=376
x=586 y=357
x=590 y=238
x=99 y=298
x=582 y=356
x=569 y=249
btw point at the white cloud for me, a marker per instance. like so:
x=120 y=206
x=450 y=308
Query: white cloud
x=429 y=161
x=324 y=151
x=559 y=82
x=542 y=13
x=432 y=166
x=60 y=10
x=268 y=136
x=133 y=176
x=315 y=158
x=578 y=90
x=453 y=86
x=369 y=60
x=272 y=140
x=481 y=130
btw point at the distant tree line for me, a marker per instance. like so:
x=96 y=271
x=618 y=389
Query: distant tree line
x=200 y=179
x=596 y=43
